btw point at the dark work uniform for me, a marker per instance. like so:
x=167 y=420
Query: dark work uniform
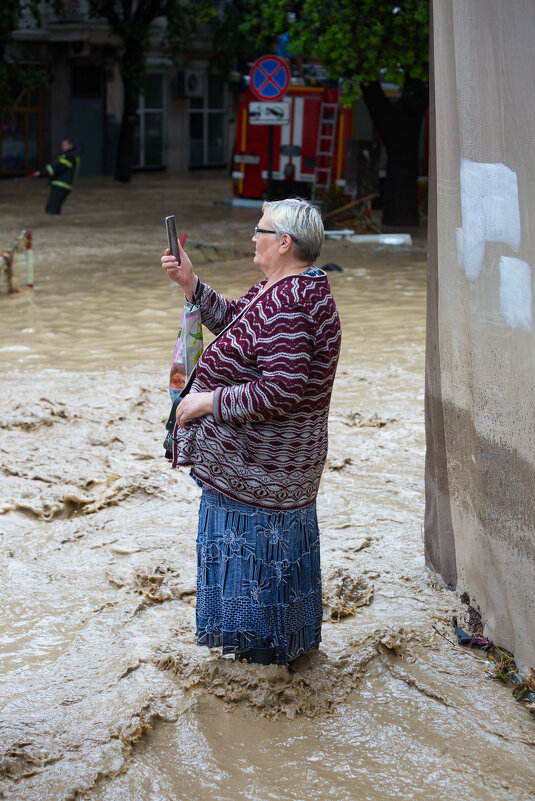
x=62 y=175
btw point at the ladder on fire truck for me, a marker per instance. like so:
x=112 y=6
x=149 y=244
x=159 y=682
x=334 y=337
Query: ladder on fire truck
x=325 y=147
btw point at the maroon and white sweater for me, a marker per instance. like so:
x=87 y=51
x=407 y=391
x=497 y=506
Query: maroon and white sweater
x=272 y=375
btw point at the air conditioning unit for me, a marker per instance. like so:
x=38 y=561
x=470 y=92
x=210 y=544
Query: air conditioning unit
x=194 y=81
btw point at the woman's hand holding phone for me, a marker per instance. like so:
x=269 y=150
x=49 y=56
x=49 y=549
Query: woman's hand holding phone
x=180 y=271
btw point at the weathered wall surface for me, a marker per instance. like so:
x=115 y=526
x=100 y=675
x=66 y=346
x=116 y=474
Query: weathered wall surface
x=480 y=469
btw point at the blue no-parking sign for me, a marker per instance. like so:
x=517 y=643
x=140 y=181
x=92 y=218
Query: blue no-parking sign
x=269 y=78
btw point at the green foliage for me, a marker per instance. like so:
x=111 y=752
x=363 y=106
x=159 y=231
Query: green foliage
x=233 y=46
x=131 y=21
x=9 y=20
x=10 y=16
x=16 y=75
x=185 y=20
x=359 y=40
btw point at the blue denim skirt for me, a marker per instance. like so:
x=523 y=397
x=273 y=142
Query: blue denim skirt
x=258 y=577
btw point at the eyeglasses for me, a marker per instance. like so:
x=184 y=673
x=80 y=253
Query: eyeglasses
x=258 y=230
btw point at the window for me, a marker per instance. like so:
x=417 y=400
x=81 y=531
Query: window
x=149 y=137
x=208 y=125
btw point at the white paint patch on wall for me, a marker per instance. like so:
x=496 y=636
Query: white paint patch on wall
x=515 y=293
x=490 y=212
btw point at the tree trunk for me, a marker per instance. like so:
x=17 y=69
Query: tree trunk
x=125 y=146
x=399 y=124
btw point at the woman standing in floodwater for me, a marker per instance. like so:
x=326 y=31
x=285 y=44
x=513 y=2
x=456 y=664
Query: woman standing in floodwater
x=254 y=429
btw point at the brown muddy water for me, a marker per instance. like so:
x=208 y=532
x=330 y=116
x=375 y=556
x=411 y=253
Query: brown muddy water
x=104 y=695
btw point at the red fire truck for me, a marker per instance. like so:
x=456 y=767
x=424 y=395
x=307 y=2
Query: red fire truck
x=308 y=147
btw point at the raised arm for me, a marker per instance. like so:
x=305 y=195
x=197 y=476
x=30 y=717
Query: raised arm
x=216 y=311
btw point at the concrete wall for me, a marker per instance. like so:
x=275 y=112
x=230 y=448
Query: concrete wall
x=480 y=470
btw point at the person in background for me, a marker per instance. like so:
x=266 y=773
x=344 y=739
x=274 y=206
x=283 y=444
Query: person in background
x=62 y=174
x=285 y=54
x=254 y=430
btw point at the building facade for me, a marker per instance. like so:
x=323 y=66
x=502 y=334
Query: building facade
x=184 y=117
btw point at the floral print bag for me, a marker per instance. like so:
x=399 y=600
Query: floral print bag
x=188 y=349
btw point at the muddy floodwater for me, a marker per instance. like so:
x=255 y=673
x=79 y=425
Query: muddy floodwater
x=104 y=695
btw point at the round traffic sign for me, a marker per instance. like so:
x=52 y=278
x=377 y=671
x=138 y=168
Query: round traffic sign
x=269 y=78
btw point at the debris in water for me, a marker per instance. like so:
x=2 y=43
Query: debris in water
x=469 y=640
x=355 y=418
x=338 y=462
x=344 y=593
x=161 y=584
x=331 y=267
x=502 y=665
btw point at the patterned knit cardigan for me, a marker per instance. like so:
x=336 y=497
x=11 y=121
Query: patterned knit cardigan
x=272 y=374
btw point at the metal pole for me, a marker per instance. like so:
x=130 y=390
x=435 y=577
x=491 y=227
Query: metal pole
x=270 y=161
x=29 y=260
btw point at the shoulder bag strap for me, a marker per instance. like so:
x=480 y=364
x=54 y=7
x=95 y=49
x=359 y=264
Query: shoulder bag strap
x=191 y=378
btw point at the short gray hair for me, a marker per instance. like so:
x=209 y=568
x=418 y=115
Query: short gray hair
x=301 y=220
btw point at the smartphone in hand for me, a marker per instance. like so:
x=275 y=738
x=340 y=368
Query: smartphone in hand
x=172 y=238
